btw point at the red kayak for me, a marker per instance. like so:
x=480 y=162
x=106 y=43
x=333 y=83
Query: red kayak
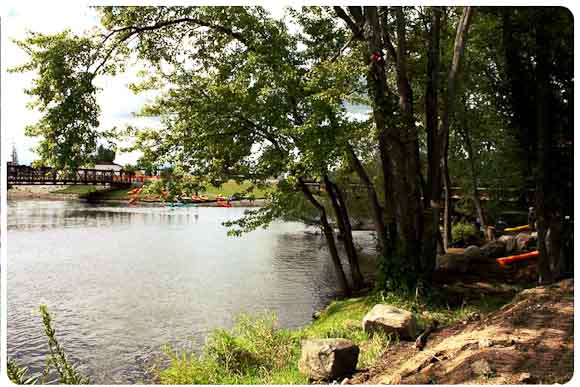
x=520 y=257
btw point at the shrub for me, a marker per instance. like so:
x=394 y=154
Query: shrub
x=463 y=232
x=254 y=351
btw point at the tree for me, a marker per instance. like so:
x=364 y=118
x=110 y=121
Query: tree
x=14 y=155
x=104 y=154
x=384 y=30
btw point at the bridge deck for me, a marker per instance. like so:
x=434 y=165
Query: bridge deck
x=25 y=175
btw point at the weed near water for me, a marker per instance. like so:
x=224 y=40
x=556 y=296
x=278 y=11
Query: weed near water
x=256 y=351
x=56 y=362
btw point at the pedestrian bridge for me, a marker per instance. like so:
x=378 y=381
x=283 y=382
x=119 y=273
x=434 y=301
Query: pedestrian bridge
x=25 y=175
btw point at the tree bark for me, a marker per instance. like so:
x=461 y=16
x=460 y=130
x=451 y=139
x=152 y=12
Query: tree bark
x=373 y=198
x=431 y=193
x=329 y=234
x=343 y=222
x=543 y=216
x=447 y=199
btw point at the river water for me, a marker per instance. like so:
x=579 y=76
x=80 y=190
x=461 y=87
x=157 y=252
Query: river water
x=122 y=282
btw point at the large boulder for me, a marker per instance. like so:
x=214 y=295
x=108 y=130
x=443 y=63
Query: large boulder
x=328 y=359
x=493 y=249
x=472 y=252
x=389 y=319
x=511 y=245
x=452 y=263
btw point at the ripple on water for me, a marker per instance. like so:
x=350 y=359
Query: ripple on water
x=121 y=282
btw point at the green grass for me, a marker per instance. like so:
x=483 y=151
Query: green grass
x=256 y=351
x=76 y=189
x=231 y=187
x=227 y=189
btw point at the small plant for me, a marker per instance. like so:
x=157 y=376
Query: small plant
x=463 y=232
x=56 y=360
x=19 y=375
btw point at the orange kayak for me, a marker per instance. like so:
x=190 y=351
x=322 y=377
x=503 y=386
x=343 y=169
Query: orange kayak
x=516 y=258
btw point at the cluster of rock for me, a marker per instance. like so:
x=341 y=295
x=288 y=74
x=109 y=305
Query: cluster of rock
x=504 y=245
x=331 y=359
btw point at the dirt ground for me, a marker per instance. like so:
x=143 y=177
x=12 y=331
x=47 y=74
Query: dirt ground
x=528 y=341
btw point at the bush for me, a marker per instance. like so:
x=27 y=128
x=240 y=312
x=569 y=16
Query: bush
x=464 y=233
x=255 y=351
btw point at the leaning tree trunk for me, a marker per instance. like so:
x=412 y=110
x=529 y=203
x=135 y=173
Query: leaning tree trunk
x=471 y=159
x=375 y=206
x=343 y=222
x=329 y=234
x=452 y=80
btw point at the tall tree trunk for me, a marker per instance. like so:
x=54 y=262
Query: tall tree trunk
x=447 y=200
x=543 y=129
x=344 y=225
x=432 y=193
x=373 y=199
x=329 y=234
x=398 y=185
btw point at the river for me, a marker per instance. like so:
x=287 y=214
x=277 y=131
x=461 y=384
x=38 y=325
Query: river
x=122 y=282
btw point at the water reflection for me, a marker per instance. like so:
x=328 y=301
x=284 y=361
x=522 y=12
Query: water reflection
x=121 y=282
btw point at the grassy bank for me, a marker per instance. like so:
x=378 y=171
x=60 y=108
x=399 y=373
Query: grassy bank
x=255 y=351
x=227 y=189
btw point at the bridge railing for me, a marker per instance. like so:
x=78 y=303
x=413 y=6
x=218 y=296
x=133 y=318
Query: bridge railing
x=23 y=174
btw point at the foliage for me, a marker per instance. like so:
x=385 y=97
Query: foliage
x=56 y=361
x=19 y=375
x=67 y=372
x=65 y=95
x=464 y=232
x=255 y=351
x=104 y=154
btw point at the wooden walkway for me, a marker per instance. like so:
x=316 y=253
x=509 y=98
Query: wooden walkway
x=25 y=175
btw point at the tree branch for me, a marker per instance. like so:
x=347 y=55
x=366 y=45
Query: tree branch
x=357 y=33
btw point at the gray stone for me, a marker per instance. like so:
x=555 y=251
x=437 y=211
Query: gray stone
x=510 y=243
x=493 y=249
x=472 y=252
x=389 y=319
x=328 y=359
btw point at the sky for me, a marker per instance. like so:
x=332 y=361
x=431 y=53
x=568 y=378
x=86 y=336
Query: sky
x=118 y=104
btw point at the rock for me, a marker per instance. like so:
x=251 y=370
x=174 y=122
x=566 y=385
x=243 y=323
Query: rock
x=452 y=263
x=484 y=343
x=493 y=249
x=510 y=243
x=525 y=378
x=316 y=315
x=328 y=359
x=481 y=368
x=389 y=319
x=472 y=252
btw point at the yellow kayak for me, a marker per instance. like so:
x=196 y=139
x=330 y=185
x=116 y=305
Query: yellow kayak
x=519 y=228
